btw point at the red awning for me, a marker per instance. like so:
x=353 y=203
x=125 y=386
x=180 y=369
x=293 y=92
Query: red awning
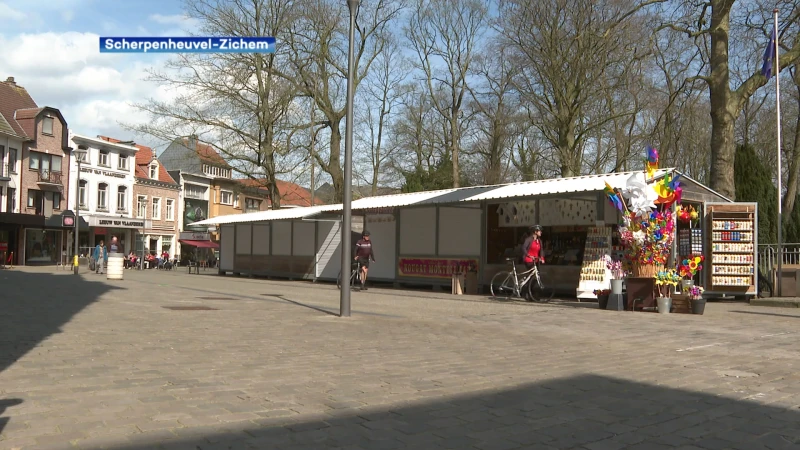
x=199 y=244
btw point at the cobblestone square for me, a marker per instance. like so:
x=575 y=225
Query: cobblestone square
x=91 y=364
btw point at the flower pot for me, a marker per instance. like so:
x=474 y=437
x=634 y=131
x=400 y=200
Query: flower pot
x=664 y=305
x=698 y=305
x=602 y=301
x=616 y=286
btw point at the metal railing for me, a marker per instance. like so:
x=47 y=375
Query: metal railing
x=48 y=176
x=768 y=256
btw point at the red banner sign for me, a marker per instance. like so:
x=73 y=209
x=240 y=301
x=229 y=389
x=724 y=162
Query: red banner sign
x=435 y=267
x=3 y=246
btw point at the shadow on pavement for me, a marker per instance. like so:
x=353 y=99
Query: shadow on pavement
x=5 y=403
x=766 y=314
x=586 y=412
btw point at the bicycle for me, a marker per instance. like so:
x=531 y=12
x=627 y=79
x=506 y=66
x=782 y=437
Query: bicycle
x=353 y=276
x=506 y=284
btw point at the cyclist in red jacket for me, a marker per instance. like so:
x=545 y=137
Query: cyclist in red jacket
x=534 y=253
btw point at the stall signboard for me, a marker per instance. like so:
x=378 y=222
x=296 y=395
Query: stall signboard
x=3 y=246
x=435 y=267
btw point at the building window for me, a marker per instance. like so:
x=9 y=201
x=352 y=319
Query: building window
x=226 y=197
x=102 y=160
x=12 y=160
x=170 y=209
x=44 y=162
x=82 y=194
x=153 y=172
x=122 y=198
x=235 y=200
x=56 y=200
x=123 y=162
x=194 y=191
x=34 y=161
x=31 y=198
x=11 y=200
x=141 y=209
x=102 y=196
x=47 y=126
x=252 y=204
x=156 y=208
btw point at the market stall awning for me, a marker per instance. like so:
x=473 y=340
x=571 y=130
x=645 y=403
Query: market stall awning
x=199 y=244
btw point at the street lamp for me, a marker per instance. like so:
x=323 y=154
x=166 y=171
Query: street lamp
x=144 y=230
x=79 y=153
x=347 y=219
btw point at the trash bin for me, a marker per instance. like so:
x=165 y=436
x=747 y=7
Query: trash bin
x=116 y=266
x=790 y=282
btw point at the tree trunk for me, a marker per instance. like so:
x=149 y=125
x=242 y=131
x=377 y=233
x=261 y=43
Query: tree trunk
x=335 y=164
x=454 y=144
x=723 y=103
x=794 y=163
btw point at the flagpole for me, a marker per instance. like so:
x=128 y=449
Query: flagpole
x=780 y=188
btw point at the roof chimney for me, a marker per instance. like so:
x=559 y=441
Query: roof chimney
x=193 y=142
x=10 y=80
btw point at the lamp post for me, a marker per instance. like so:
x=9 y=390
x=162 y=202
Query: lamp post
x=144 y=230
x=347 y=219
x=79 y=153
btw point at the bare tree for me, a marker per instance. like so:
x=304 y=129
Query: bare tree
x=445 y=34
x=316 y=46
x=708 y=24
x=383 y=93
x=235 y=99
x=570 y=53
x=497 y=114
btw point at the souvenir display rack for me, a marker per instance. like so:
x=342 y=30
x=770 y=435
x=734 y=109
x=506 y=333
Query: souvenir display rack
x=732 y=240
x=594 y=273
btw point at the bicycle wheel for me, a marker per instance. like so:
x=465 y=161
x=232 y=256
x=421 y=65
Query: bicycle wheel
x=502 y=285
x=538 y=292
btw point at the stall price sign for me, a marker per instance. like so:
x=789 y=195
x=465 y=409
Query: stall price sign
x=435 y=267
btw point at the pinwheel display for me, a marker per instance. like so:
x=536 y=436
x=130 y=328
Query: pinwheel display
x=668 y=189
x=651 y=162
x=686 y=214
x=690 y=266
x=613 y=197
x=641 y=197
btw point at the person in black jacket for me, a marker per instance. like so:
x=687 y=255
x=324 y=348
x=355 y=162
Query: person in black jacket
x=364 y=253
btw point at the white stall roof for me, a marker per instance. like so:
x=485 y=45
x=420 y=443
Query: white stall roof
x=587 y=183
x=272 y=214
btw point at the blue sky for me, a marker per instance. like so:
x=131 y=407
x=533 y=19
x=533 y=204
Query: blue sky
x=51 y=48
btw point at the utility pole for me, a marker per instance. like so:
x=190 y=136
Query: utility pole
x=313 y=139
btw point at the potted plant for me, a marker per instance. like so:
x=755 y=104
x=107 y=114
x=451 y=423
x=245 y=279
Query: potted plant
x=688 y=269
x=617 y=274
x=602 y=297
x=666 y=281
x=698 y=302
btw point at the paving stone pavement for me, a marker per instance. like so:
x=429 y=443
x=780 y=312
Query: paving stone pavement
x=88 y=363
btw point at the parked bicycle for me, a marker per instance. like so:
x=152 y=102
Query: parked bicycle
x=507 y=284
x=354 y=276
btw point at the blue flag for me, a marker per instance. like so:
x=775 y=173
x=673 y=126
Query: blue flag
x=769 y=57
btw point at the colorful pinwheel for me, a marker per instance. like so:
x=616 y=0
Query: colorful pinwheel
x=613 y=197
x=651 y=163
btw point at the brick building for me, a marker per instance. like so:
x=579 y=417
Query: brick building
x=35 y=149
x=156 y=197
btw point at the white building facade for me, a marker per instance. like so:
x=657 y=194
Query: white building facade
x=104 y=192
x=10 y=155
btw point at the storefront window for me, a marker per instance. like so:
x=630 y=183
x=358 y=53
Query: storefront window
x=42 y=246
x=563 y=245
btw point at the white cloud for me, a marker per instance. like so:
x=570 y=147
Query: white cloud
x=7 y=13
x=67 y=15
x=93 y=90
